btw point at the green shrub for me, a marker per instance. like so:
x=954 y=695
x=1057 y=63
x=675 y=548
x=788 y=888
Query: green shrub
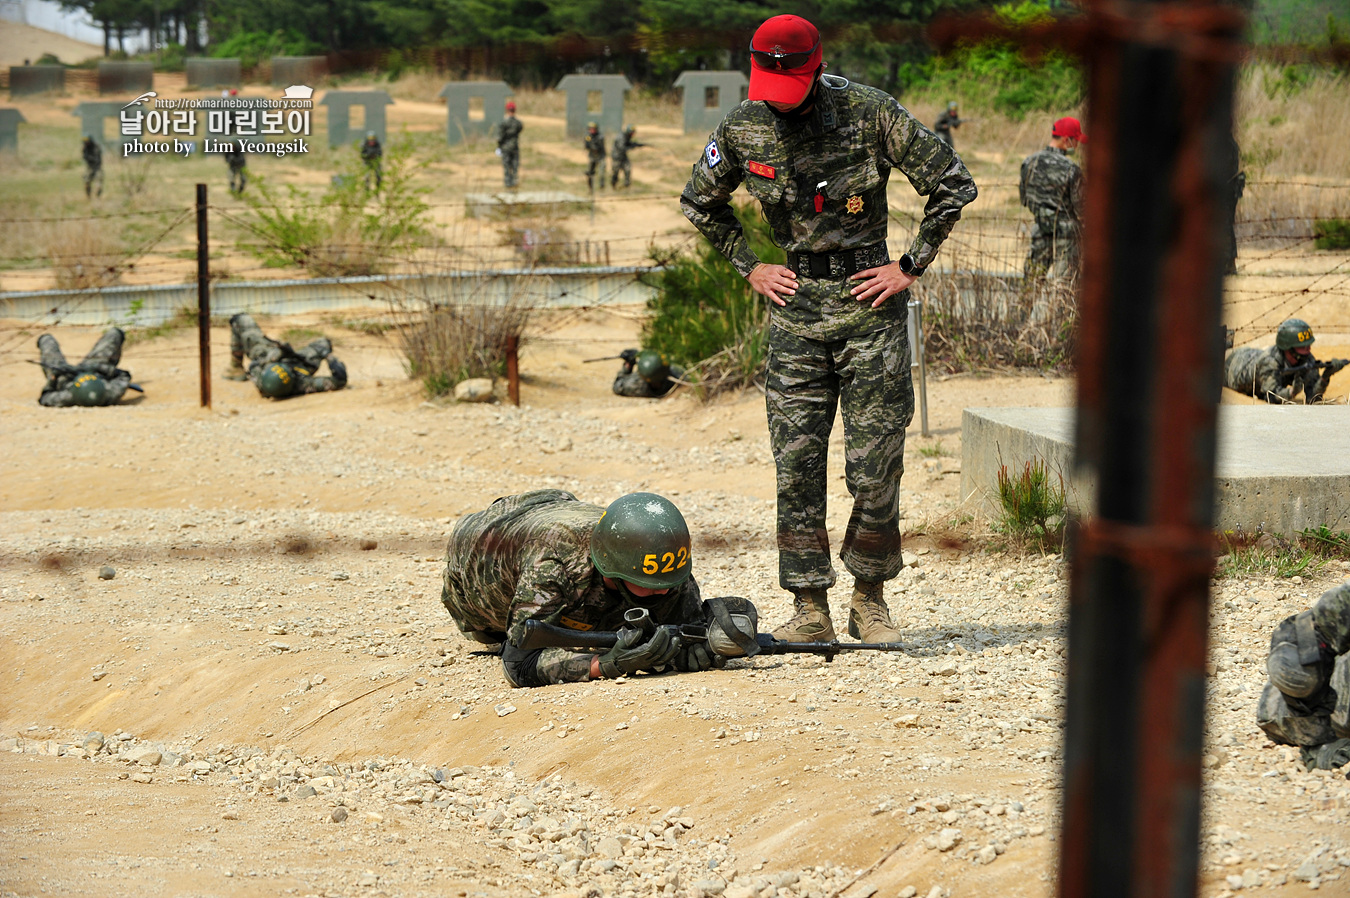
x=253 y=47
x=705 y=316
x=1332 y=233
x=1032 y=506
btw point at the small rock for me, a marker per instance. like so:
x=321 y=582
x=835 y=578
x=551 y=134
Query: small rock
x=368 y=879
x=146 y=757
x=987 y=854
x=907 y=892
x=98 y=675
x=306 y=791
x=374 y=817
x=230 y=814
x=948 y=839
x=369 y=545
x=107 y=572
x=142 y=778
x=341 y=575
x=710 y=887
x=504 y=709
x=339 y=815
x=1306 y=872
x=907 y=720
x=609 y=847
x=1234 y=882
x=935 y=892
x=93 y=742
x=740 y=890
x=475 y=389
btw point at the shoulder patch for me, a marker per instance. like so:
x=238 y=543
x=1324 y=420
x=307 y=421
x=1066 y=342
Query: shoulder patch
x=761 y=169
x=712 y=154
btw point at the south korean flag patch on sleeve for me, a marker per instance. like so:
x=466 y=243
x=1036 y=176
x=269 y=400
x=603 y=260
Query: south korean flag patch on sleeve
x=712 y=154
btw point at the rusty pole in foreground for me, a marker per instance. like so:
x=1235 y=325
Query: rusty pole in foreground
x=1161 y=94
x=513 y=370
x=203 y=299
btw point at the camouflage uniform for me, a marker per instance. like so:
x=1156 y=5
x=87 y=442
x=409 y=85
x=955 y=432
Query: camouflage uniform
x=101 y=360
x=1307 y=699
x=619 y=156
x=826 y=349
x=235 y=157
x=629 y=383
x=595 y=159
x=93 y=165
x=944 y=125
x=528 y=557
x=1256 y=372
x=508 y=141
x=247 y=339
x=1052 y=188
x=371 y=155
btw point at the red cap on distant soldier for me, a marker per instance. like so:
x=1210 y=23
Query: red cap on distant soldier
x=1069 y=127
x=785 y=54
x=510 y=106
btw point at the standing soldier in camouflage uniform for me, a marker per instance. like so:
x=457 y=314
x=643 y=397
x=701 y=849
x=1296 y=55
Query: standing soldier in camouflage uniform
x=371 y=155
x=816 y=151
x=548 y=557
x=508 y=145
x=93 y=165
x=647 y=376
x=1052 y=188
x=235 y=157
x=945 y=123
x=94 y=381
x=275 y=368
x=1306 y=702
x=1280 y=373
x=619 y=155
x=595 y=156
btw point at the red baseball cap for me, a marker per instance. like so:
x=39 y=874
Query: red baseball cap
x=510 y=106
x=784 y=55
x=1069 y=127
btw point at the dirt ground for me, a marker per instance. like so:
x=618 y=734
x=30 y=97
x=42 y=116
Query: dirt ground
x=283 y=706
x=19 y=42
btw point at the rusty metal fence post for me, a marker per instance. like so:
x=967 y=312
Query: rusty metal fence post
x=203 y=299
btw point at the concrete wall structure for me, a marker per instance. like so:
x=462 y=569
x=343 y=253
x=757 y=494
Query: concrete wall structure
x=457 y=94
x=36 y=79
x=307 y=70
x=1263 y=478
x=125 y=77
x=10 y=119
x=206 y=71
x=730 y=88
x=92 y=113
x=340 y=103
x=609 y=118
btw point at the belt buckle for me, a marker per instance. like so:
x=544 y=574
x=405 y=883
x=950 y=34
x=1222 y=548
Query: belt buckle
x=822 y=265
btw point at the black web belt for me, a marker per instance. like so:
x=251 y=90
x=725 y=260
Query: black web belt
x=838 y=264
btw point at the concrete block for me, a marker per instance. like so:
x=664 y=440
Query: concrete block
x=1285 y=467
x=709 y=96
x=92 y=113
x=36 y=79
x=609 y=118
x=457 y=94
x=10 y=119
x=125 y=77
x=340 y=103
x=205 y=71
x=308 y=70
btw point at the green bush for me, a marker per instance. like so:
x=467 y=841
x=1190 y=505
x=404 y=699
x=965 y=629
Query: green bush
x=1332 y=233
x=252 y=47
x=1032 y=507
x=705 y=316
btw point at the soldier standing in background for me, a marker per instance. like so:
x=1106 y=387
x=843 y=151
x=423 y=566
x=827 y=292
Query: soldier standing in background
x=619 y=155
x=234 y=156
x=508 y=145
x=1052 y=188
x=1280 y=373
x=93 y=165
x=371 y=154
x=816 y=151
x=1306 y=701
x=595 y=156
x=275 y=368
x=946 y=122
x=94 y=381
x=548 y=557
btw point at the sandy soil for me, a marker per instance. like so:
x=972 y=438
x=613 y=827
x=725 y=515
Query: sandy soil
x=271 y=654
x=19 y=42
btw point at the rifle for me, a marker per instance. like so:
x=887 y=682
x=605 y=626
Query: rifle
x=72 y=371
x=542 y=635
x=1327 y=368
x=628 y=355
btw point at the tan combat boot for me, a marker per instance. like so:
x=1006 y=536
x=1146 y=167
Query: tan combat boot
x=811 y=622
x=869 y=620
x=236 y=370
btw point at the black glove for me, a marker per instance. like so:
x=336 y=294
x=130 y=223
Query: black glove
x=1331 y=367
x=629 y=356
x=634 y=652
x=695 y=657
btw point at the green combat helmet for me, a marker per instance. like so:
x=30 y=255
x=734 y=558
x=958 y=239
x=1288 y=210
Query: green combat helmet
x=89 y=389
x=653 y=367
x=1293 y=333
x=277 y=381
x=642 y=538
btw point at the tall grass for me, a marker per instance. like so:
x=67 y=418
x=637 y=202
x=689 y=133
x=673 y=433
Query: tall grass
x=84 y=253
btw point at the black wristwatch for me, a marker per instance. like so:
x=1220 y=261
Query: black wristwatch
x=909 y=266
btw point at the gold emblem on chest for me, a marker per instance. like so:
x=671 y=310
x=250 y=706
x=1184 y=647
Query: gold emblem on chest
x=854 y=205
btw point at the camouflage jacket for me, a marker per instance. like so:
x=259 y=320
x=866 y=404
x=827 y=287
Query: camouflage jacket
x=622 y=144
x=595 y=146
x=305 y=368
x=528 y=557
x=1052 y=188
x=1256 y=372
x=508 y=133
x=838 y=158
x=946 y=122
x=370 y=151
x=93 y=155
x=1330 y=619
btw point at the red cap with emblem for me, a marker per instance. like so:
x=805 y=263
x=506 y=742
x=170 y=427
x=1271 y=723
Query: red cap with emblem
x=1068 y=127
x=784 y=56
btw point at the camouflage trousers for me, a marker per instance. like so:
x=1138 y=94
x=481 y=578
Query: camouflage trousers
x=867 y=378
x=102 y=359
x=1051 y=255
x=595 y=172
x=1316 y=720
x=621 y=167
x=92 y=174
x=238 y=178
x=510 y=166
x=247 y=339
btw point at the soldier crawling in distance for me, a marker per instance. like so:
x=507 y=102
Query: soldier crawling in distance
x=1280 y=373
x=275 y=368
x=96 y=380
